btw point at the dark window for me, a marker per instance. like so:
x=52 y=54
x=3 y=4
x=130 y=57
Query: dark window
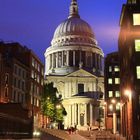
x=6 y=92
x=77 y=56
x=22 y=100
x=93 y=60
x=80 y=88
x=14 y=96
x=15 y=69
x=23 y=85
x=83 y=58
x=70 y=58
x=19 y=71
x=64 y=58
x=15 y=81
x=23 y=74
x=18 y=83
x=6 y=79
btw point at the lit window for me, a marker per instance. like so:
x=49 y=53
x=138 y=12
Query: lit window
x=32 y=74
x=117 y=93
x=116 y=68
x=117 y=106
x=117 y=80
x=33 y=62
x=110 y=93
x=132 y=1
x=137 y=45
x=138 y=72
x=37 y=103
x=39 y=67
x=109 y=81
x=136 y=19
x=110 y=69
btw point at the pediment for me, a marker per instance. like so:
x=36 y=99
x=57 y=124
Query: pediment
x=81 y=73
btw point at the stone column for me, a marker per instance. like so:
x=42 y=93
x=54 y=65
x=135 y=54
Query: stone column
x=91 y=64
x=114 y=122
x=91 y=114
x=85 y=116
x=75 y=114
x=73 y=58
x=56 y=59
x=52 y=60
x=69 y=114
x=80 y=57
x=67 y=58
x=73 y=117
x=79 y=115
x=62 y=57
x=96 y=61
x=99 y=62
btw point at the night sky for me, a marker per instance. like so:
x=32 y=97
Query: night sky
x=33 y=22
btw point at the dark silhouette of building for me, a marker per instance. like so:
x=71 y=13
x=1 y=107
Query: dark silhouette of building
x=129 y=50
x=22 y=78
x=112 y=91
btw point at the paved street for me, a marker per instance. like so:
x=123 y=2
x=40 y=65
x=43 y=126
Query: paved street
x=53 y=134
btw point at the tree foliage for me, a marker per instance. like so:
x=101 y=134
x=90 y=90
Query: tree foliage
x=52 y=104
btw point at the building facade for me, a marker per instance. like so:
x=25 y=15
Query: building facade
x=74 y=63
x=112 y=90
x=129 y=49
x=22 y=76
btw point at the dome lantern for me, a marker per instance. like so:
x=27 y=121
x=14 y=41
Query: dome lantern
x=73 y=9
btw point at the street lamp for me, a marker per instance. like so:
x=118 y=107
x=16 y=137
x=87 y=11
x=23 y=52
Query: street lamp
x=112 y=107
x=105 y=113
x=128 y=93
x=32 y=94
x=59 y=106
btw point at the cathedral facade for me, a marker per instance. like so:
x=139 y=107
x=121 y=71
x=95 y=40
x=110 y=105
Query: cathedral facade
x=74 y=63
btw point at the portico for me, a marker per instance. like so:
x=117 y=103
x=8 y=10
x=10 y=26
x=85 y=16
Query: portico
x=81 y=112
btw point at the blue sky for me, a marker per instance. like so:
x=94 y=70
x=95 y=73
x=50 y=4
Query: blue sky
x=33 y=22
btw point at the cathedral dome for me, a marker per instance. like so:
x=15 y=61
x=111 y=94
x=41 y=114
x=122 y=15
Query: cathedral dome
x=73 y=26
x=73 y=47
x=74 y=30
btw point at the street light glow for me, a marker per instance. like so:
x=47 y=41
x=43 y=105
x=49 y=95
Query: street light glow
x=113 y=101
x=105 y=103
x=127 y=92
x=58 y=106
x=119 y=104
x=111 y=107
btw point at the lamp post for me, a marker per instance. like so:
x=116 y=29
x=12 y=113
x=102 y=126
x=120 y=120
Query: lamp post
x=113 y=101
x=32 y=107
x=128 y=111
x=105 y=113
x=58 y=106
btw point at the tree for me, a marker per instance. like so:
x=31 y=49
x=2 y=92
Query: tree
x=51 y=104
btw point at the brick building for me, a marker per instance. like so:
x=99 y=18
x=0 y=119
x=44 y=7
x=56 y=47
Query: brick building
x=22 y=76
x=129 y=50
x=112 y=90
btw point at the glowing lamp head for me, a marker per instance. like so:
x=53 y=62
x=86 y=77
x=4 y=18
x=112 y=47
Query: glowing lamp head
x=111 y=107
x=127 y=92
x=113 y=101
